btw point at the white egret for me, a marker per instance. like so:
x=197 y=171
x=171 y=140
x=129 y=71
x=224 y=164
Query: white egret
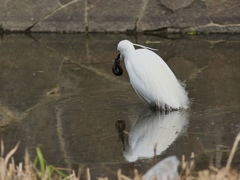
x=150 y=77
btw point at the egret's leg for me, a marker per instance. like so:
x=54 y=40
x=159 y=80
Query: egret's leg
x=153 y=107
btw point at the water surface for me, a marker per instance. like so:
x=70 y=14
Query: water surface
x=58 y=92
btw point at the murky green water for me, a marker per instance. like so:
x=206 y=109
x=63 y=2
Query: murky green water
x=58 y=92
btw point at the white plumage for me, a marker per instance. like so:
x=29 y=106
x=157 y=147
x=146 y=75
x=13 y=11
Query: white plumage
x=155 y=128
x=151 y=77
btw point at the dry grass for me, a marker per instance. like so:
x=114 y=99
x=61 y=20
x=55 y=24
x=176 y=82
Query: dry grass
x=213 y=173
x=30 y=171
x=39 y=169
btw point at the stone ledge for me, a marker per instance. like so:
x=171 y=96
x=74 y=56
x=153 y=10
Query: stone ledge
x=207 y=29
x=113 y=16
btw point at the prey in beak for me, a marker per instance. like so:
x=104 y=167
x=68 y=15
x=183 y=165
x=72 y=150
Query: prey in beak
x=116 y=68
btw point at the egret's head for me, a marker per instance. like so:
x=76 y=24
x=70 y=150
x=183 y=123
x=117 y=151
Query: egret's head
x=124 y=47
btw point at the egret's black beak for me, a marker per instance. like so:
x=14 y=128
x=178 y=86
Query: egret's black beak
x=116 y=68
x=117 y=59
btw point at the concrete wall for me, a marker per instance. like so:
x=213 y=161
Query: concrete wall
x=119 y=16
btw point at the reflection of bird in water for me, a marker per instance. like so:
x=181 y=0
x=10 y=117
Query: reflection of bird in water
x=150 y=77
x=120 y=126
x=154 y=128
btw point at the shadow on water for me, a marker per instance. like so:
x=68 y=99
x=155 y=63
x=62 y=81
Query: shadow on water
x=58 y=92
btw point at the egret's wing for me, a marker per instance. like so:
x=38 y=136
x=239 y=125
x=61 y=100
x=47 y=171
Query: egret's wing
x=154 y=81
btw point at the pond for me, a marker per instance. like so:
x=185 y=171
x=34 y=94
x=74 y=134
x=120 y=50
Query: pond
x=58 y=92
